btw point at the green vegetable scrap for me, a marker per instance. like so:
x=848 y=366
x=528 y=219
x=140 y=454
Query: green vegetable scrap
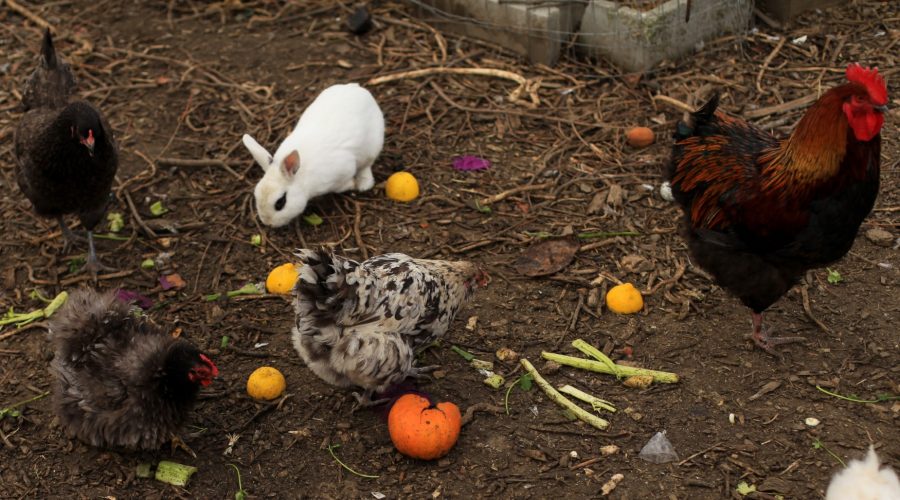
x=116 y=222
x=256 y=240
x=248 y=289
x=158 y=209
x=22 y=319
x=174 y=473
x=834 y=277
x=148 y=264
x=313 y=220
x=241 y=494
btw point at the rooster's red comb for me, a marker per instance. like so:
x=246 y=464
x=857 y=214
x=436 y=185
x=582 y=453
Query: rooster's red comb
x=871 y=80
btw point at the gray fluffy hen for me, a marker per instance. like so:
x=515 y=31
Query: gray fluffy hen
x=361 y=324
x=66 y=155
x=121 y=381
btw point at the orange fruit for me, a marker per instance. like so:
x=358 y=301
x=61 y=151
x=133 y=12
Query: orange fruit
x=282 y=279
x=402 y=186
x=421 y=430
x=639 y=137
x=624 y=299
x=265 y=383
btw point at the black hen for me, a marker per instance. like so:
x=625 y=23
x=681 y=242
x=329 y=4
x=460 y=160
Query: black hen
x=66 y=156
x=121 y=381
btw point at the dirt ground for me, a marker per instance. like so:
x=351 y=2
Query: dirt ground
x=183 y=80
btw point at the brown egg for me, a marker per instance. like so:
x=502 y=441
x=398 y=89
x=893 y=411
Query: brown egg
x=639 y=137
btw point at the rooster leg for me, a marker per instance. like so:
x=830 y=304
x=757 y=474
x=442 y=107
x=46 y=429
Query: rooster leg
x=178 y=443
x=766 y=342
x=365 y=400
x=93 y=264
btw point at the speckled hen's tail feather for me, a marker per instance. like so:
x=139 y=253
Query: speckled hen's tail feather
x=321 y=277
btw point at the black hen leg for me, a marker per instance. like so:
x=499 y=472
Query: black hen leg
x=767 y=342
x=365 y=400
x=71 y=237
x=93 y=264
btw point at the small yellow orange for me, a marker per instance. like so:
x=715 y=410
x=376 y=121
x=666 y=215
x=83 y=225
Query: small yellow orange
x=624 y=299
x=282 y=279
x=265 y=383
x=402 y=186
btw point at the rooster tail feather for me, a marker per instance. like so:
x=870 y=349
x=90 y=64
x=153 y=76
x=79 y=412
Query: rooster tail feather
x=697 y=119
x=48 y=52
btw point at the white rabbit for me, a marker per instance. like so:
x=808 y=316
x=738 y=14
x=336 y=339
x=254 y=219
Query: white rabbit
x=331 y=150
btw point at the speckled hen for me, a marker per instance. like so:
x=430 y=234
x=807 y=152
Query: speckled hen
x=66 y=156
x=361 y=324
x=121 y=380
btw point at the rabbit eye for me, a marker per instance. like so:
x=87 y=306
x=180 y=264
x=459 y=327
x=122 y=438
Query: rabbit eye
x=281 y=201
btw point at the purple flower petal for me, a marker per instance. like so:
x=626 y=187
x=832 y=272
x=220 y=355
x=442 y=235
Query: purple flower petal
x=471 y=163
x=133 y=297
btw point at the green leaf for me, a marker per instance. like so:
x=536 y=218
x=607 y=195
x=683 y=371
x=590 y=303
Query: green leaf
x=224 y=342
x=483 y=208
x=834 y=277
x=465 y=355
x=745 y=489
x=525 y=382
x=158 y=209
x=313 y=220
x=147 y=264
x=116 y=222
x=256 y=240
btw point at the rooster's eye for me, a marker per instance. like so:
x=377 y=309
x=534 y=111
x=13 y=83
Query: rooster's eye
x=281 y=201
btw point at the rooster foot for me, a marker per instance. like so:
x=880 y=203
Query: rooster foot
x=177 y=442
x=365 y=400
x=768 y=342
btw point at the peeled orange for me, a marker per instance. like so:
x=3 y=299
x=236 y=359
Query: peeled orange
x=624 y=299
x=265 y=383
x=402 y=186
x=282 y=279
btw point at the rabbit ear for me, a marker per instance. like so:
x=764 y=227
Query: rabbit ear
x=258 y=152
x=291 y=164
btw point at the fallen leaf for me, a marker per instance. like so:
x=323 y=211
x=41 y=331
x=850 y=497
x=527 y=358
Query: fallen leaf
x=771 y=386
x=471 y=163
x=597 y=203
x=128 y=296
x=546 y=257
x=170 y=281
x=538 y=455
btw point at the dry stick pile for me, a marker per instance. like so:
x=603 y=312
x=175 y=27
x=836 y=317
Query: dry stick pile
x=554 y=135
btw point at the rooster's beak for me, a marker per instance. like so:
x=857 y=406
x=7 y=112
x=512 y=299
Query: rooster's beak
x=881 y=109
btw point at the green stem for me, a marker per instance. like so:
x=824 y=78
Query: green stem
x=562 y=400
x=13 y=406
x=617 y=370
x=605 y=234
x=856 y=400
x=338 y=460
x=597 y=354
x=111 y=236
x=238 y=472
x=819 y=444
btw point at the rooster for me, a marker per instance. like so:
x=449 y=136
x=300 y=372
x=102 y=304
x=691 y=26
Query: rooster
x=66 y=155
x=361 y=324
x=762 y=210
x=120 y=380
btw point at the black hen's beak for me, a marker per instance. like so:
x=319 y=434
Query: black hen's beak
x=89 y=142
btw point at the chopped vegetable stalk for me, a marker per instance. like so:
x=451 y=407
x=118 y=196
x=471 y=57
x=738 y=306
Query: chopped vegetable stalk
x=248 y=289
x=596 y=354
x=465 y=355
x=617 y=370
x=22 y=319
x=561 y=400
x=143 y=470
x=595 y=402
x=495 y=380
x=174 y=473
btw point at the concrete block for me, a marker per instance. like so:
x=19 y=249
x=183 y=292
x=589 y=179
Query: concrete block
x=784 y=10
x=636 y=40
x=535 y=28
